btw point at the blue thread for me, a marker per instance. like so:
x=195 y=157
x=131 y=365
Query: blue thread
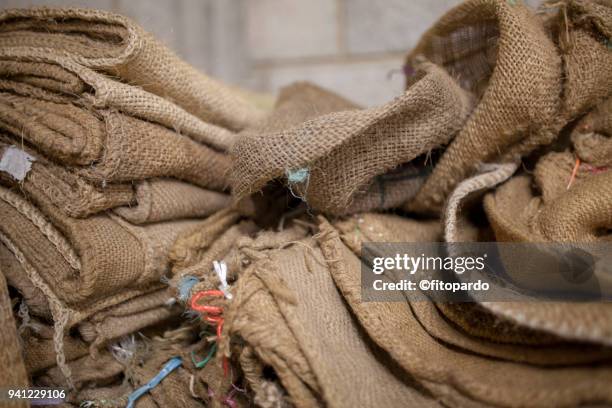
x=185 y=286
x=170 y=366
x=298 y=175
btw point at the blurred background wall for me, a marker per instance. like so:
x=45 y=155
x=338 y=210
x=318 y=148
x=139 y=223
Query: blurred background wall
x=355 y=47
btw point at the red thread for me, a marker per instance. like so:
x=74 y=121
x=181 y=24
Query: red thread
x=213 y=316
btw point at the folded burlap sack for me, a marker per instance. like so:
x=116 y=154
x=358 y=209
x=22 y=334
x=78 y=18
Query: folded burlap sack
x=84 y=266
x=58 y=79
x=287 y=309
x=167 y=199
x=152 y=200
x=92 y=258
x=500 y=52
x=567 y=203
x=38 y=349
x=107 y=146
x=102 y=370
x=126 y=318
x=351 y=160
x=115 y=45
x=457 y=369
x=17 y=278
x=71 y=193
x=13 y=374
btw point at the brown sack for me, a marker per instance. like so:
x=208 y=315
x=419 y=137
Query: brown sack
x=57 y=78
x=583 y=29
x=499 y=51
x=467 y=325
x=592 y=136
x=517 y=214
x=287 y=308
x=167 y=199
x=72 y=194
x=457 y=378
x=116 y=45
x=333 y=161
x=39 y=351
x=112 y=148
x=17 y=278
x=126 y=318
x=13 y=373
x=87 y=261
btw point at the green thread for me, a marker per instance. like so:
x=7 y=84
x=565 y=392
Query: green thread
x=202 y=363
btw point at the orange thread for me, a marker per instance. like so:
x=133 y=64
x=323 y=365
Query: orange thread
x=574 y=172
x=213 y=315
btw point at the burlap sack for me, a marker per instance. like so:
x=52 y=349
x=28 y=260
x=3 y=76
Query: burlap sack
x=499 y=51
x=332 y=161
x=516 y=214
x=456 y=377
x=579 y=212
x=467 y=325
x=102 y=370
x=202 y=270
x=39 y=351
x=283 y=304
x=190 y=246
x=583 y=29
x=46 y=76
x=112 y=148
x=72 y=194
x=126 y=318
x=13 y=373
x=17 y=278
x=167 y=199
x=116 y=45
x=592 y=136
x=88 y=260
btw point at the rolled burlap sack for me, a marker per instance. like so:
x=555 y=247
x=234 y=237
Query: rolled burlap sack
x=115 y=45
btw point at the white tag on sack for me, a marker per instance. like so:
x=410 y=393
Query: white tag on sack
x=16 y=162
x=221 y=270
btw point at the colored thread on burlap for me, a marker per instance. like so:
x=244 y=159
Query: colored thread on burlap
x=298 y=176
x=202 y=363
x=170 y=366
x=185 y=285
x=574 y=173
x=213 y=315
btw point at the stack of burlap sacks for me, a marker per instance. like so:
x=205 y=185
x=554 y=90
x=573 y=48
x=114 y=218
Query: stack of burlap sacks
x=111 y=147
x=504 y=133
